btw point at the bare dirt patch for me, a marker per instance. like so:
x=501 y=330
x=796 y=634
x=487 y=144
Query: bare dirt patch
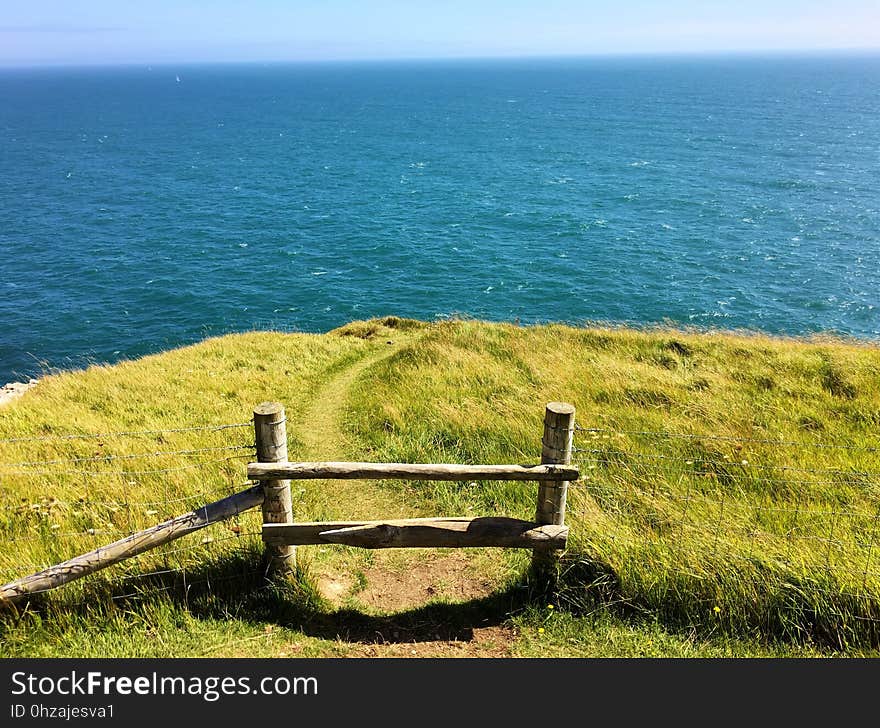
x=401 y=581
x=387 y=597
x=334 y=588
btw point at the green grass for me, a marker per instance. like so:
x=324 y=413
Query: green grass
x=714 y=543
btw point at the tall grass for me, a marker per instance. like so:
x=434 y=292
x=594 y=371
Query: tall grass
x=690 y=511
x=759 y=520
x=88 y=457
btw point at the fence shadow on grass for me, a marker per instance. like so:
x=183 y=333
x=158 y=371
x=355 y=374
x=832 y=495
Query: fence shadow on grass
x=438 y=621
x=235 y=587
x=297 y=605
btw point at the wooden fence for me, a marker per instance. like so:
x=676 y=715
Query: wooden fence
x=545 y=535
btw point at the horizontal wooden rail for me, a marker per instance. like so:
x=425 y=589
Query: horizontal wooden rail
x=420 y=533
x=409 y=471
x=133 y=545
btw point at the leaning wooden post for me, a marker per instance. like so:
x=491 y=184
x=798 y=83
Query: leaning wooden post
x=555 y=449
x=271 y=442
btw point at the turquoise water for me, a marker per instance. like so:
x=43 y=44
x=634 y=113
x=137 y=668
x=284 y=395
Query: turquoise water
x=145 y=208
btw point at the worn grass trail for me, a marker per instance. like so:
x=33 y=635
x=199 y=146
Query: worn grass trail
x=320 y=432
x=384 y=583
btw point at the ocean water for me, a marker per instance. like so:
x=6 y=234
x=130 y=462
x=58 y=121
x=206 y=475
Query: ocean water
x=144 y=208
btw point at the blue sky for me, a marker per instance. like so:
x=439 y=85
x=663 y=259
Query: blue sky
x=114 y=31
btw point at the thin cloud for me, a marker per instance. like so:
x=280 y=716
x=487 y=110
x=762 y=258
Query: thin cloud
x=60 y=28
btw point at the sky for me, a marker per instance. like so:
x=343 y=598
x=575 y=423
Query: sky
x=40 y=32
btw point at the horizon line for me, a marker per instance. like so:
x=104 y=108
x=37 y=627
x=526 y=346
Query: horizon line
x=360 y=60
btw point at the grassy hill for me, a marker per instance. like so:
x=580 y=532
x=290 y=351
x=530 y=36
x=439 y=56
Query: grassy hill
x=728 y=503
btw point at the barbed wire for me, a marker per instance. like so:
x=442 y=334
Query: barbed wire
x=135 y=456
x=725 y=463
x=65 y=535
x=88 y=533
x=726 y=438
x=27 y=471
x=128 y=433
x=61 y=503
x=750 y=478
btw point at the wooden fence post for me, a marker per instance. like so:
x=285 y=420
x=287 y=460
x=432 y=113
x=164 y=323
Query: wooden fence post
x=555 y=449
x=271 y=441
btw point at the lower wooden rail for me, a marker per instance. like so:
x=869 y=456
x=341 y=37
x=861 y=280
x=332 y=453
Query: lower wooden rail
x=420 y=533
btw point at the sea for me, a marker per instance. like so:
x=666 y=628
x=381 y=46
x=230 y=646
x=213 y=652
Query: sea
x=147 y=207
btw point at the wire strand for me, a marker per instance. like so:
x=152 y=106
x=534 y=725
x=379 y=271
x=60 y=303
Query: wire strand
x=751 y=478
x=121 y=504
x=136 y=456
x=129 y=433
x=726 y=463
x=726 y=438
x=125 y=472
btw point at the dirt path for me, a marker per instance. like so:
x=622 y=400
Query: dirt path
x=394 y=581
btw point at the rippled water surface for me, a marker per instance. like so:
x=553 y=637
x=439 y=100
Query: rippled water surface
x=145 y=208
